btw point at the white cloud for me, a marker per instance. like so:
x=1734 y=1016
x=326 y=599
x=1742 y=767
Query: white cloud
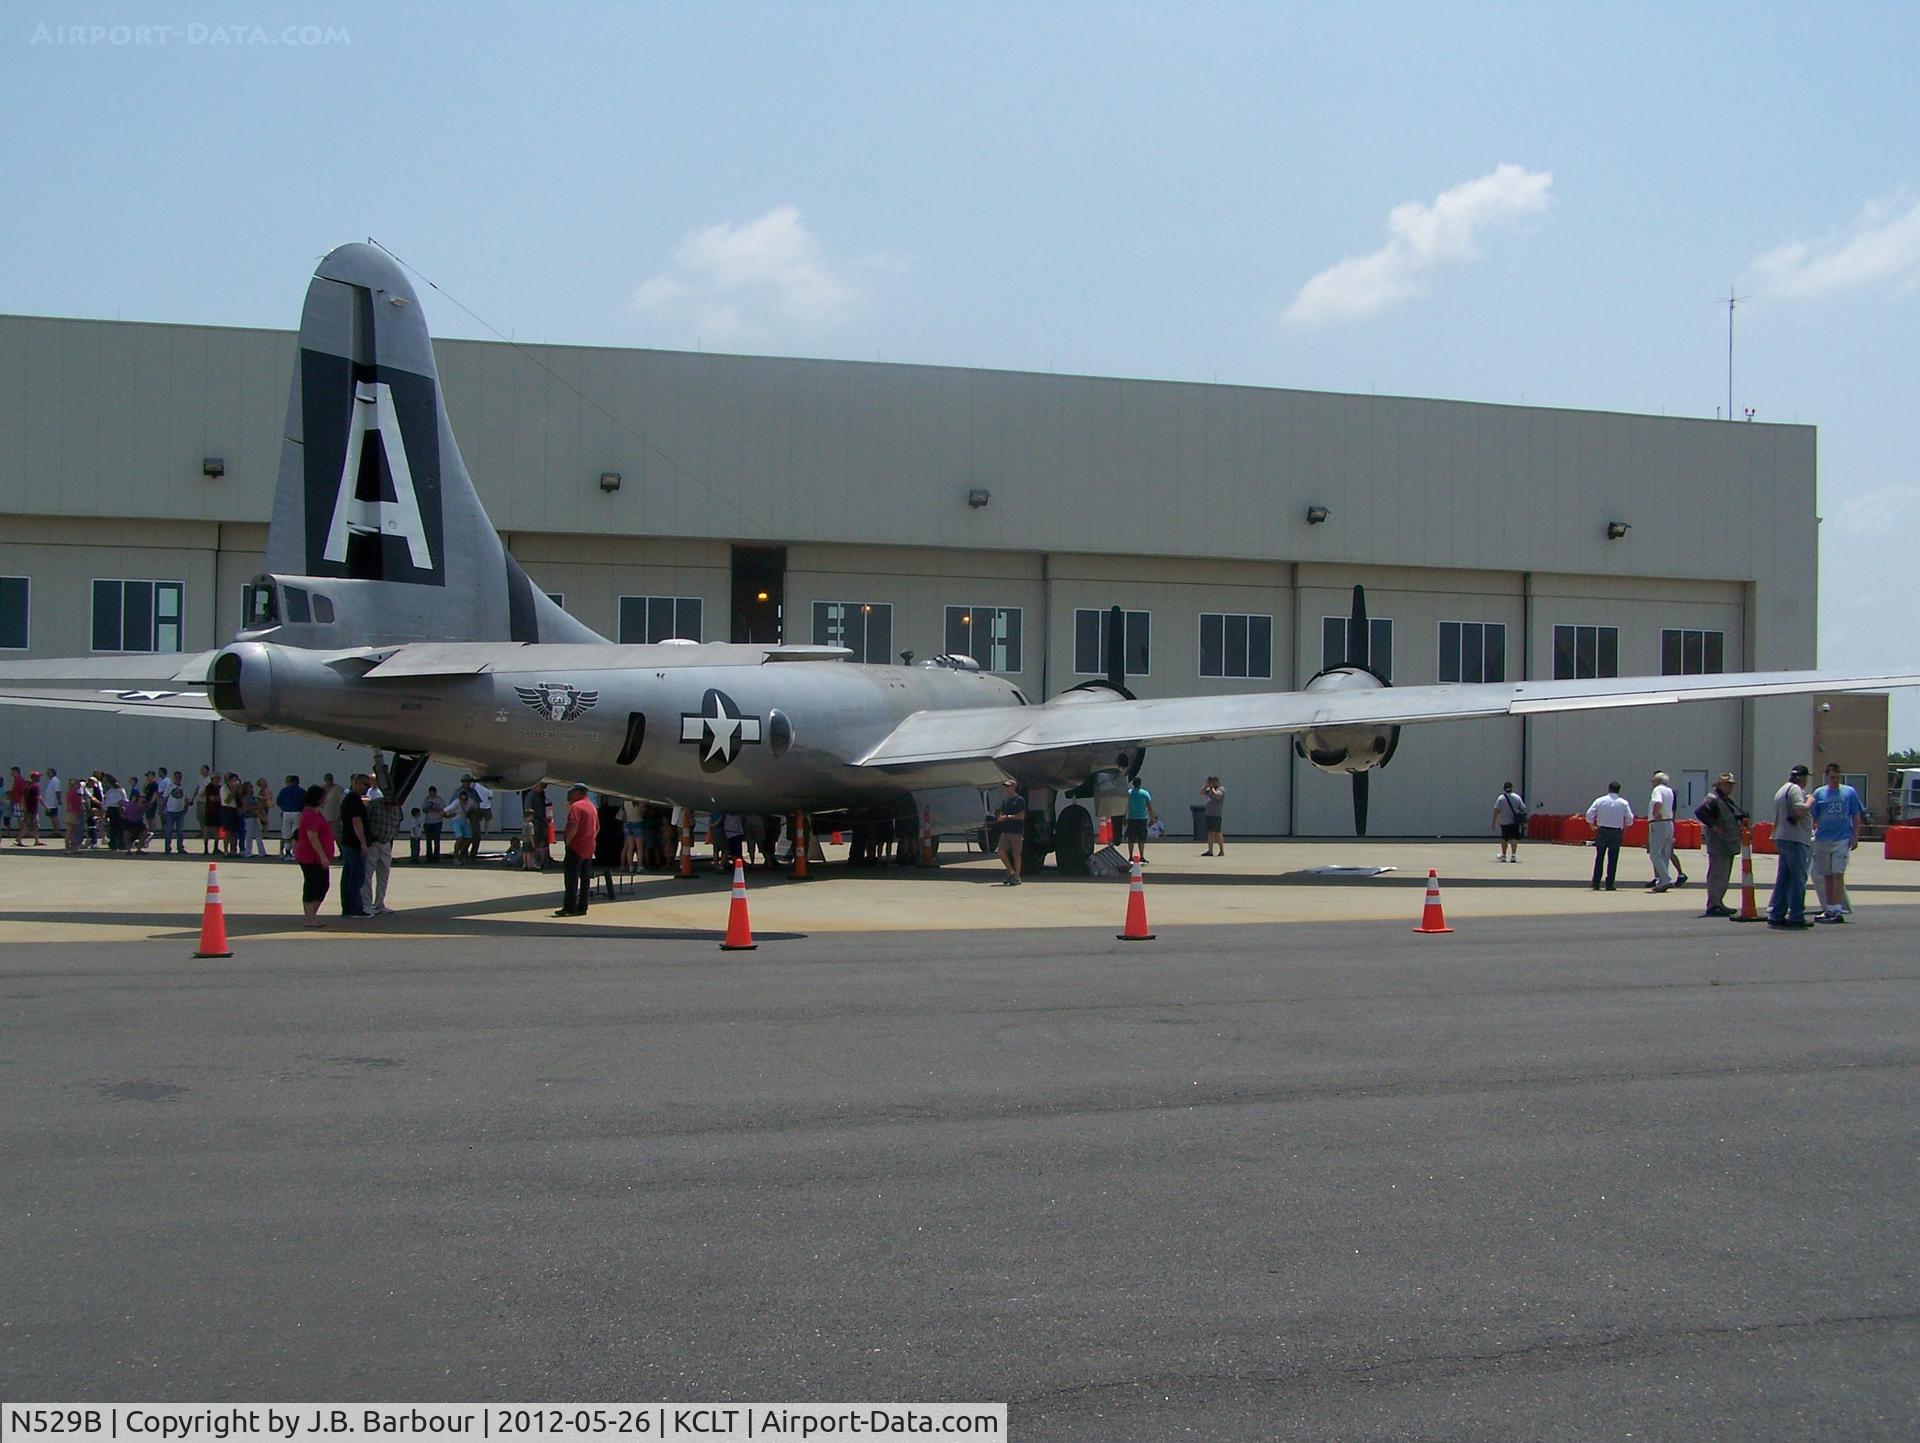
x=1864 y=515
x=1881 y=245
x=731 y=282
x=1420 y=239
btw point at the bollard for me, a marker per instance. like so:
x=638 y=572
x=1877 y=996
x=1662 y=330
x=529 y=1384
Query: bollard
x=802 y=844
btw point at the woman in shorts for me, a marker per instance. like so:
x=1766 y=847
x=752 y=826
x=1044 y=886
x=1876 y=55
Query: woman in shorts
x=313 y=849
x=633 y=830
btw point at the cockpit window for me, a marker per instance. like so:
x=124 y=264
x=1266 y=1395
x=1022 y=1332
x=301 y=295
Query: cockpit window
x=322 y=609
x=262 y=607
x=297 y=606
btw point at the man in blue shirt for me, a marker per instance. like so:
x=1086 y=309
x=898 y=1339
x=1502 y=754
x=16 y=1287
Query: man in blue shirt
x=1837 y=814
x=291 y=799
x=1140 y=816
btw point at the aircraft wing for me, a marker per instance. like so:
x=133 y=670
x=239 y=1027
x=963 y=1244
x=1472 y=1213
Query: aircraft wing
x=1008 y=733
x=170 y=686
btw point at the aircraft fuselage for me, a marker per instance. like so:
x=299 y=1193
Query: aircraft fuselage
x=746 y=734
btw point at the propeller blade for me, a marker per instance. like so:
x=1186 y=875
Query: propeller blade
x=1360 y=803
x=1359 y=640
x=1117 y=647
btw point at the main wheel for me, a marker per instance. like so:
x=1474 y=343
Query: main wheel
x=1073 y=841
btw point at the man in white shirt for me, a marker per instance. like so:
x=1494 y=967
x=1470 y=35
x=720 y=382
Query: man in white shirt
x=482 y=817
x=1660 y=836
x=1608 y=816
x=53 y=800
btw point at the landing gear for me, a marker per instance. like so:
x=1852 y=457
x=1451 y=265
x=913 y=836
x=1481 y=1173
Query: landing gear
x=1037 y=842
x=1073 y=834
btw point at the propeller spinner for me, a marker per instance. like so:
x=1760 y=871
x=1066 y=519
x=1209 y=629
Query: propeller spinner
x=1355 y=750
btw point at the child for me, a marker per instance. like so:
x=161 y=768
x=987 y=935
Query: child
x=415 y=829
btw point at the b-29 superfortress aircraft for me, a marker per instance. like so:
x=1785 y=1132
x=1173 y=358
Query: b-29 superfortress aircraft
x=392 y=616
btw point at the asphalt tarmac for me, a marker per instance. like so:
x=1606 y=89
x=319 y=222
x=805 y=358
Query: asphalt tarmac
x=1549 y=1177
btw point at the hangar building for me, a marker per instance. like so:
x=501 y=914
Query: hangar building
x=896 y=508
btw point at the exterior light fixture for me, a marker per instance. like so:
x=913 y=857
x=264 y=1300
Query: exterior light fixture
x=213 y=468
x=1317 y=514
x=760 y=596
x=1617 y=529
x=609 y=480
x=979 y=496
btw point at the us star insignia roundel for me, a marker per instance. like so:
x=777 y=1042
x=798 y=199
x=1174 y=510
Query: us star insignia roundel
x=718 y=729
x=557 y=701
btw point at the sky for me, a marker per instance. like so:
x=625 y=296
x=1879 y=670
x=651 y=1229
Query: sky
x=1539 y=204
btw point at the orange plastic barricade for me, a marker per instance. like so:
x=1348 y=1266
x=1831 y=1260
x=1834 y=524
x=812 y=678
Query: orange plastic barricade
x=1575 y=832
x=1903 y=844
x=1686 y=834
x=1636 y=833
x=1763 y=839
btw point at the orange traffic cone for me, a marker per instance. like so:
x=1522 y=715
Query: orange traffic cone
x=1104 y=837
x=739 y=934
x=1136 y=909
x=213 y=919
x=1749 y=905
x=836 y=837
x=685 y=873
x=1433 y=919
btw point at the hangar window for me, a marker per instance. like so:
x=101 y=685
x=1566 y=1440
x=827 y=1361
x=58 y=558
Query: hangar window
x=864 y=627
x=137 y=615
x=988 y=634
x=659 y=618
x=1236 y=645
x=1473 y=651
x=1333 y=643
x=1091 y=642
x=13 y=613
x=1581 y=653
x=1692 y=653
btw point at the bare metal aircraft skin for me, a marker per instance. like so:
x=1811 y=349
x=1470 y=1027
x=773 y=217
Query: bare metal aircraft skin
x=392 y=615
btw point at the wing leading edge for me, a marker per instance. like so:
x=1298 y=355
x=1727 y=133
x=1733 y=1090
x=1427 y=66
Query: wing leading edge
x=1005 y=734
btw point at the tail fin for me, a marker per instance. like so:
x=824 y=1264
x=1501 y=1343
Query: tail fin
x=372 y=488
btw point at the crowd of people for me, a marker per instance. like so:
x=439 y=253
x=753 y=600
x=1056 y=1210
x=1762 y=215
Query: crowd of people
x=1814 y=833
x=359 y=825
x=220 y=815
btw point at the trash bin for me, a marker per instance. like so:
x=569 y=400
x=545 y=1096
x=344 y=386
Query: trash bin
x=1200 y=823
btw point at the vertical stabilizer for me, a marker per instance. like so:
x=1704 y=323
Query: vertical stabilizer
x=372 y=487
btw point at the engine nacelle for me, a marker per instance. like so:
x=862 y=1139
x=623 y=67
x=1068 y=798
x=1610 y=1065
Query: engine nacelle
x=1347 y=748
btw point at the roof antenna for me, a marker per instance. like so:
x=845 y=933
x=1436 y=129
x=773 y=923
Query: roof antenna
x=1732 y=301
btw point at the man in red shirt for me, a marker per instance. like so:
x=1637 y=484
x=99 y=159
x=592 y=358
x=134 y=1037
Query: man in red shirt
x=583 y=830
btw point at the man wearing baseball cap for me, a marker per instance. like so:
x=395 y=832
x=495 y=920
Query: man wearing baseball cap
x=1793 y=840
x=1720 y=818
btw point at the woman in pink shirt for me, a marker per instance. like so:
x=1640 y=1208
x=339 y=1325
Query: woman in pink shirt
x=313 y=849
